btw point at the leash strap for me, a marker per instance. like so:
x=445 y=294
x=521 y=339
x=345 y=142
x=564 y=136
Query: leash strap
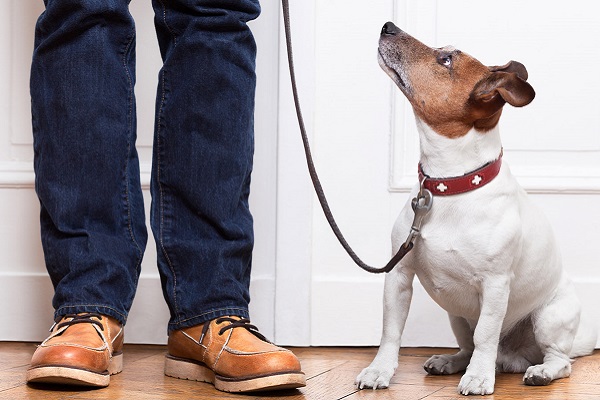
x=404 y=248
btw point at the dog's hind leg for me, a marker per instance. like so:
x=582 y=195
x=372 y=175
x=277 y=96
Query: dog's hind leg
x=518 y=349
x=586 y=337
x=446 y=364
x=555 y=326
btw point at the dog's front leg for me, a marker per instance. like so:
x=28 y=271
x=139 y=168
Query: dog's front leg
x=396 y=303
x=480 y=375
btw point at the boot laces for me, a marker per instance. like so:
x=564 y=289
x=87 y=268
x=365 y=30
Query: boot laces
x=233 y=324
x=84 y=318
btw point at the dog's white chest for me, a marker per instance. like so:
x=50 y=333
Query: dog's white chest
x=488 y=235
x=464 y=240
x=452 y=273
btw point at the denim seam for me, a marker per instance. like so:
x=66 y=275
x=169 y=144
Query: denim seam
x=130 y=118
x=162 y=195
x=164 y=18
x=242 y=310
x=58 y=311
x=158 y=171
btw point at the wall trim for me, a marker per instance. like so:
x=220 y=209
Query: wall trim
x=16 y=175
x=20 y=175
x=534 y=185
x=29 y=316
x=427 y=323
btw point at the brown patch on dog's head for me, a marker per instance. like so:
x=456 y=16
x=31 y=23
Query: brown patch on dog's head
x=450 y=90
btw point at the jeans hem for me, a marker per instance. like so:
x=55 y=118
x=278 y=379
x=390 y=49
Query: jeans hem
x=208 y=316
x=85 y=308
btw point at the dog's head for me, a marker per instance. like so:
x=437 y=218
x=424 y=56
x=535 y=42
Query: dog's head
x=450 y=90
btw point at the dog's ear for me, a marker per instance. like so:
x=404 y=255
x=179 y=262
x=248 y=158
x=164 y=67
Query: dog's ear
x=490 y=94
x=512 y=67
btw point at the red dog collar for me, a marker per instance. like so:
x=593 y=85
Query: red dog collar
x=461 y=184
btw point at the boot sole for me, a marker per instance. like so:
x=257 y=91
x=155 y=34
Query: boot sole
x=58 y=375
x=193 y=371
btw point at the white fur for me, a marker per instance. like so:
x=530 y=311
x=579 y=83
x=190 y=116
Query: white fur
x=489 y=258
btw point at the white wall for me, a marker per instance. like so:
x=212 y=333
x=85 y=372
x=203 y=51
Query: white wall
x=305 y=289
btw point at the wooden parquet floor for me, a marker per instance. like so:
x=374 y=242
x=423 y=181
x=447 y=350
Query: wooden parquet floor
x=330 y=376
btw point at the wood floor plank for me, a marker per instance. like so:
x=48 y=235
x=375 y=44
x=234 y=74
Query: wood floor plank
x=395 y=392
x=330 y=376
x=520 y=392
x=15 y=354
x=337 y=383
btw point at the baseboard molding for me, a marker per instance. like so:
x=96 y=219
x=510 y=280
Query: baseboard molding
x=349 y=313
x=27 y=312
x=353 y=316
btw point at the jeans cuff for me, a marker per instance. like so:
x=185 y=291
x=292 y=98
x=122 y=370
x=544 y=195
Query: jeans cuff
x=90 y=308
x=209 y=316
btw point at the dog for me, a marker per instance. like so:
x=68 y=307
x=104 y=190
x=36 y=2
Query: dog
x=484 y=252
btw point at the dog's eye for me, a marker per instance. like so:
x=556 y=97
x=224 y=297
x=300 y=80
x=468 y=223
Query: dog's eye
x=445 y=60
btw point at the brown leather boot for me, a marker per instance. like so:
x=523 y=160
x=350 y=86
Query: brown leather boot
x=83 y=349
x=232 y=355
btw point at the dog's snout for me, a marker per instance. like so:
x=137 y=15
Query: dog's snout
x=390 y=29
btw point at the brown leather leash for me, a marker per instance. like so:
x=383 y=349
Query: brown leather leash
x=421 y=204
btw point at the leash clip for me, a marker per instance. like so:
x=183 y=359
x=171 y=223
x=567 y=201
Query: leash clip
x=421 y=204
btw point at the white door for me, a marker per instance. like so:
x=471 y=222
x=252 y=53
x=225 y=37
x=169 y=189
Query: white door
x=366 y=149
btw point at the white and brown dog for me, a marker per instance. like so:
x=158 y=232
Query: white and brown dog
x=485 y=253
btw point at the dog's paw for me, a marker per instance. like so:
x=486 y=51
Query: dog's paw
x=476 y=384
x=445 y=364
x=375 y=378
x=537 y=375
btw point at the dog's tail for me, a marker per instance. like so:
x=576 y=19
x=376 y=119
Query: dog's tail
x=585 y=339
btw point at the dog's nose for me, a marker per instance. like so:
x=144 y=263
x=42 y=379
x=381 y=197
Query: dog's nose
x=390 y=29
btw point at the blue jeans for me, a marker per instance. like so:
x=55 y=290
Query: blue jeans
x=87 y=170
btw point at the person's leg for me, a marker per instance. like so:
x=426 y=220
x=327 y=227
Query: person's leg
x=203 y=151
x=87 y=173
x=200 y=217
x=87 y=180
